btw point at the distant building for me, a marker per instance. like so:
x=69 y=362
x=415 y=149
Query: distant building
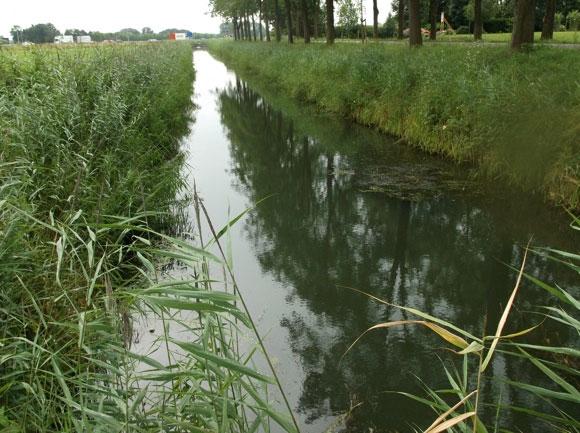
x=64 y=39
x=177 y=36
x=83 y=39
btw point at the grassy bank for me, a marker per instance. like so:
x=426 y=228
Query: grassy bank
x=90 y=170
x=515 y=116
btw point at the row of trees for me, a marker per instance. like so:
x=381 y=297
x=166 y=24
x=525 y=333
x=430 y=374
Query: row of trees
x=253 y=19
x=45 y=33
x=268 y=19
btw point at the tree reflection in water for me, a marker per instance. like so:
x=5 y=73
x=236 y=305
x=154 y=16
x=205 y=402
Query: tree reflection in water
x=444 y=254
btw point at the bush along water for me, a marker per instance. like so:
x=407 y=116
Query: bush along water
x=515 y=115
x=90 y=169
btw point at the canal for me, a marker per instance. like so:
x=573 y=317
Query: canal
x=347 y=207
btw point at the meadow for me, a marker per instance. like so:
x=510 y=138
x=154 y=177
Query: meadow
x=515 y=116
x=568 y=37
x=91 y=194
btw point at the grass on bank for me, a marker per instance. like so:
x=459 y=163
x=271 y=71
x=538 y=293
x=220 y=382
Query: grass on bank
x=91 y=172
x=515 y=115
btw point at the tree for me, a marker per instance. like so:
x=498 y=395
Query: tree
x=478 y=21
x=415 y=37
x=289 y=20
x=456 y=12
x=524 y=19
x=316 y=17
x=329 y=21
x=267 y=18
x=277 y=21
x=401 y=19
x=348 y=15
x=573 y=19
x=548 y=21
x=16 y=33
x=75 y=32
x=147 y=31
x=433 y=9
x=305 y=21
x=38 y=34
x=390 y=26
x=375 y=20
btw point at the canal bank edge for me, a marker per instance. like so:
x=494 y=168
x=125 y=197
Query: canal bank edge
x=515 y=116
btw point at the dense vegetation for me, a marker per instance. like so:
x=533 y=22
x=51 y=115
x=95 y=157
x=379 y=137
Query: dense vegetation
x=513 y=117
x=90 y=170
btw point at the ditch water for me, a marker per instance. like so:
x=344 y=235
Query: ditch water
x=349 y=207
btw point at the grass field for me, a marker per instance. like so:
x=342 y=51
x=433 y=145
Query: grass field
x=567 y=37
x=559 y=38
x=516 y=116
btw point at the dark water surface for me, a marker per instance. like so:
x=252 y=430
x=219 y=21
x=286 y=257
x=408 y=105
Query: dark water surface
x=350 y=207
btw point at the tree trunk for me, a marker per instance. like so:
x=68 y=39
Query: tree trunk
x=248 y=28
x=289 y=21
x=477 y=21
x=277 y=21
x=548 y=23
x=305 y=22
x=235 y=24
x=415 y=37
x=297 y=20
x=433 y=9
x=523 y=32
x=260 y=21
x=401 y=19
x=375 y=20
x=316 y=18
x=267 y=20
x=254 y=27
x=329 y=21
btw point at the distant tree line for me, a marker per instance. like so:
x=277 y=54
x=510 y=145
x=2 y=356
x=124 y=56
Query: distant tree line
x=45 y=33
x=269 y=19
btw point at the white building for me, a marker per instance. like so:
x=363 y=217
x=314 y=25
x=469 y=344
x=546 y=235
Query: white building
x=64 y=39
x=83 y=40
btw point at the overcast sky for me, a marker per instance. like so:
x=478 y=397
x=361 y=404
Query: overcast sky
x=113 y=15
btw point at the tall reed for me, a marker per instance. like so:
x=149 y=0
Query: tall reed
x=91 y=182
